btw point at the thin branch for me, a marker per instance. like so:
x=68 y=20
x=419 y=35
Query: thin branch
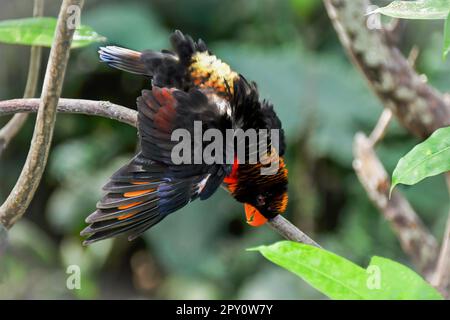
x=10 y=130
x=20 y=197
x=381 y=127
x=290 y=232
x=441 y=277
x=413 y=55
x=414 y=237
x=396 y=28
x=419 y=107
x=89 y=107
x=128 y=116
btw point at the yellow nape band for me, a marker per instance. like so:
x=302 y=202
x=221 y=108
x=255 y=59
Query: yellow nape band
x=208 y=71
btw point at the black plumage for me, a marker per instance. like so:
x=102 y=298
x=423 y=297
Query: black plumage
x=188 y=84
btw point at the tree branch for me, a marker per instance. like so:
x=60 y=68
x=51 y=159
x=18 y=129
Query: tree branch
x=381 y=127
x=20 y=197
x=290 y=232
x=88 y=107
x=441 y=278
x=419 y=107
x=10 y=130
x=128 y=116
x=414 y=237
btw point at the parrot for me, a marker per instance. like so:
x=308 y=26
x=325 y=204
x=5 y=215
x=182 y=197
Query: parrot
x=187 y=84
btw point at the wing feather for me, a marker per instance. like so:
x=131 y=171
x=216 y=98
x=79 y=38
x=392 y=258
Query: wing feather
x=151 y=186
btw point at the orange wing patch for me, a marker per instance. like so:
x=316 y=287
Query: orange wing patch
x=132 y=194
x=126 y=206
x=139 y=182
x=125 y=216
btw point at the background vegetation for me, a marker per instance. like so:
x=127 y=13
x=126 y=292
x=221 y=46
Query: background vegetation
x=290 y=48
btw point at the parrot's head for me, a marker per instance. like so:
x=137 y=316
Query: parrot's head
x=266 y=205
x=265 y=197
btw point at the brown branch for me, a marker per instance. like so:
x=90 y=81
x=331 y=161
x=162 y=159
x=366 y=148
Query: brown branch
x=419 y=107
x=128 y=116
x=414 y=237
x=20 y=197
x=88 y=107
x=441 y=277
x=381 y=127
x=10 y=130
x=290 y=232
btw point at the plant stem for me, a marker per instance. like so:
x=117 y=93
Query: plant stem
x=22 y=194
x=10 y=130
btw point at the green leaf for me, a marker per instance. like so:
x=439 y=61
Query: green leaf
x=401 y=283
x=423 y=9
x=426 y=159
x=40 y=32
x=446 y=47
x=331 y=274
x=339 y=278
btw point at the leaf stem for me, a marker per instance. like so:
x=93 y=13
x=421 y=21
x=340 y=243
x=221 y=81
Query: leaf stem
x=12 y=128
x=22 y=194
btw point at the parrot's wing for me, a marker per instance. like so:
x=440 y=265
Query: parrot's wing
x=137 y=197
x=152 y=186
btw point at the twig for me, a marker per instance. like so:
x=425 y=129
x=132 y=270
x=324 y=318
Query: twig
x=413 y=55
x=419 y=107
x=290 y=232
x=380 y=129
x=89 y=107
x=20 y=197
x=10 y=130
x=414 y=237
x=128 y=116
x=441 y=277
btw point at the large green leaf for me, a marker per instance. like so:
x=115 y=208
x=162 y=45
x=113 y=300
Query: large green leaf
x=422 y=9
x=40 y=31
x=427 y=159
x=446 y=47
x=334 y=276
x=339 y=278
x=399 y=282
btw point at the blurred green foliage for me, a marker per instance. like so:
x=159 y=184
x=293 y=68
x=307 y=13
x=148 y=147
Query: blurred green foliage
x=290 y=49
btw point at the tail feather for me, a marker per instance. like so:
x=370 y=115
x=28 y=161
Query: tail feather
x=131 y=229
x=167 y=68
x=123 y=59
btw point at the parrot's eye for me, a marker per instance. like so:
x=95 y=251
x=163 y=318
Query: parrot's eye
x=260 y=200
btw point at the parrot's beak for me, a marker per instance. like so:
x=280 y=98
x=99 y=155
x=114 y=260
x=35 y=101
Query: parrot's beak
x=254 y=217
